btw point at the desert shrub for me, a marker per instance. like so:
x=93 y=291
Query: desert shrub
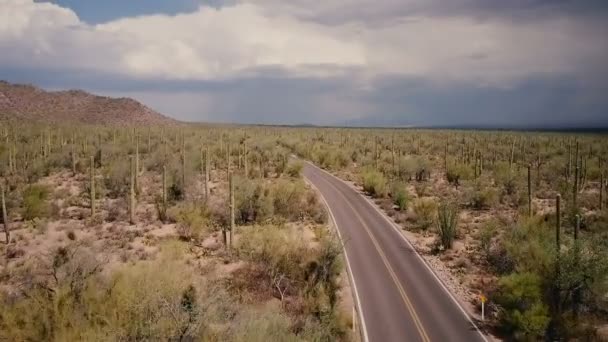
x=530 y=244
x=36 y=170
x=262 y=325
x=280 y=164
x=423 y=169
x=506 y=178
x=447 y=224
x=500 y=260
x=295 y=169
x=524 y=315
x=161 y=208
x=35 y=203
x=192 y=220
x=294 y=267
x=483 y=197
x=278 y=249
x=487 y=232
x=117 y=179
x=288 y=198
x=399 y=195
x=424 y=210
x=253 y=201
x=315 y=209
x=117 y=211
x=406 y=168
x=374 y=184
x=459 y=172
x=136 y=302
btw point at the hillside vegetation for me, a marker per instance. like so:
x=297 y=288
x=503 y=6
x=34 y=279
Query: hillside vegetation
x=31 y=104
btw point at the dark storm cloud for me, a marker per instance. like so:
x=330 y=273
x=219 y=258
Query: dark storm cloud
x=440 y=68
x=542 y=101
x=341 y=11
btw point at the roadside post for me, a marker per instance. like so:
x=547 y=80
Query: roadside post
x=483 y=302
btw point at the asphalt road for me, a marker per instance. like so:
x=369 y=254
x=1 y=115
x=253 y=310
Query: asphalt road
x=400 y=298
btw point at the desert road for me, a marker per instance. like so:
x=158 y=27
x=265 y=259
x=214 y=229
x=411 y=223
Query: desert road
x=400 y=298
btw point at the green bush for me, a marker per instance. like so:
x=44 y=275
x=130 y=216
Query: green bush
x=295 y=169
x=406 y=168
x=424 y=209
x=288 y=199
x=374 y=184
x=253 y=201
x=459 y=172
x=192 y=220
x=483 y=198
x=530 y=243
x=136 y=302
x=524 y=315
x=447 y=224
x=117 y=179
x=35 y=203
x=400 y=195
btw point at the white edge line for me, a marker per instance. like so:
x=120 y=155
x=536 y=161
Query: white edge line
x=397 y=229
x=350 y=271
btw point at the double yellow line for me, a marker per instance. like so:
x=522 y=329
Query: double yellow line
x=404 y=297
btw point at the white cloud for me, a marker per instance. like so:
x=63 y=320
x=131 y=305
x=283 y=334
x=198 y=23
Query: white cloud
x=235 y=40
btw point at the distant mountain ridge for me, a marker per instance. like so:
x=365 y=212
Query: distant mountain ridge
x=29 y=103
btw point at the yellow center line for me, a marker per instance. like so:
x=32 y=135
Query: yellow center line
x=404 y=296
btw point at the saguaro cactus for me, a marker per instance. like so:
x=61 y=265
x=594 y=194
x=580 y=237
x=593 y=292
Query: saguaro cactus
x=575 y=187
x=137 y=161
x=184 y=168
x=232 y=223
x=5 y=216
x=529 y=191
x=92 y=185
x=228 y=158
x=132 y=191
x=558 y=222
x=73 y=157
x=445 y=158
x=376 y=152
x=164 y=186
x=207 y=165
x=602 y=190
x=245 y=159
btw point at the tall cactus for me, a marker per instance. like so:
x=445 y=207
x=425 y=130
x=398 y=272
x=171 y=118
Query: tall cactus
x=5 y=216
x=92 y=184
x=558 y=222
x=132 y=190
x=10 y=156
x=245 y=158
x=184 y=166
x=575 y=187
x=207 y=165
x=601 y=190
x=73 y=159
x=164 y=180
x=136 y=162
x=376 y=153
x=232 y=209
x=529 y=191
x=228 y=159
x=576 y=295
x=445 y=158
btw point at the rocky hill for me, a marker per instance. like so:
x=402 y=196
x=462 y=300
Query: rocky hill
x=27 y=102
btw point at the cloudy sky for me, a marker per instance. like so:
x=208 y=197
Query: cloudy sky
x=509 y=63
